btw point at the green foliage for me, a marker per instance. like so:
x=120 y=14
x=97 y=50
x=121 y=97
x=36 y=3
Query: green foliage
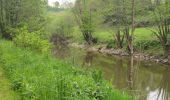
x=146 y=44
x=60 y=23
x=16 y=12
x=97 y=76
x=41 y=77
x=32 y=40
x=5 y=90
x=87 y=24
x=111 y=44
x=65 y=26
x=104 y=35
x=84 y=16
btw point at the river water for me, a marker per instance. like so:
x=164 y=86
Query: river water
x=143 y=79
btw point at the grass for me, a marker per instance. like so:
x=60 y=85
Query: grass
x=6 y=93
x=106 y=35
x=144 y=34
x=36 y=76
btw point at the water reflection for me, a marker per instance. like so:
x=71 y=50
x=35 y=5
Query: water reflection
x=131 y=73
x=143 y=80
x=61 y=51
x=164 y=88
x=88 y=59
x=119 y=71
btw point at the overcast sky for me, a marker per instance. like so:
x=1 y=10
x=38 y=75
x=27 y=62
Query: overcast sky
x=61 y=1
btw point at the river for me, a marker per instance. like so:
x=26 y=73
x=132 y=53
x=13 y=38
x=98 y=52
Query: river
x=143 y=79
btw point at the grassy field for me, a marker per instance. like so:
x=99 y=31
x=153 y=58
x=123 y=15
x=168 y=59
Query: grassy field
x=36 y=76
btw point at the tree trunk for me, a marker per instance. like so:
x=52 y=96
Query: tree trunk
x=133 y=27
x=88 y=38
x=1 y=16
x=167 y=52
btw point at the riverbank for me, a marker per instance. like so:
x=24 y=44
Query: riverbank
x=103 y=49
x=39 y=76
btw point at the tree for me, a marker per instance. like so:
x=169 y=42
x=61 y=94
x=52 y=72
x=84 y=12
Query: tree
x=1 y=16
x=56 y=4
x=129 y=36
x=162 y=23
x=16 y=12
x=133 y=28
x=121 y=15
x=9 y=14
x=83 y=16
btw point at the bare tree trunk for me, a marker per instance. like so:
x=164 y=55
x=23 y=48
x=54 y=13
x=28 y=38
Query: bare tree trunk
x=1 y=16
x=167 y=52
x=88 y=38
x=133 y=27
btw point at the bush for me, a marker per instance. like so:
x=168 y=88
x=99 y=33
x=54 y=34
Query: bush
x=41 y=77
x=111 y=44
x=146 y=44
x=32 y=40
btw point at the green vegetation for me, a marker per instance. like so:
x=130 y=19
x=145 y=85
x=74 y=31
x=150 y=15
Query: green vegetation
x=106 y=22
x=32 y=40
x=5 y=90
x=27 y=28
x=39 y=76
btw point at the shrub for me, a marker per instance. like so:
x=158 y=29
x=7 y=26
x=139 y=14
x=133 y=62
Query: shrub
x=146 y=44
x=32 y=40
x=111 y=44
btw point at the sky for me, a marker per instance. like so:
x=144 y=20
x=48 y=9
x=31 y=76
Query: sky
x=50 y=2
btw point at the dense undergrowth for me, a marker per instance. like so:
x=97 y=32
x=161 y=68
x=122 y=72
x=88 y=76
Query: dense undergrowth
x=37 y=76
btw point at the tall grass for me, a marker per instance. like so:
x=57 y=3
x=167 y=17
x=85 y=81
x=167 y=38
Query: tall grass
x=41 y=77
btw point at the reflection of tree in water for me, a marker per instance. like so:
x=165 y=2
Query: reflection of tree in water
x=164 y=89
x=132 y=78
x=61 y=51
x=132 y=73
x=119 y=73
x=88 y=59
x=126 y=74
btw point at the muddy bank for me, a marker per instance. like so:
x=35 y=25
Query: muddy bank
x=120 y=52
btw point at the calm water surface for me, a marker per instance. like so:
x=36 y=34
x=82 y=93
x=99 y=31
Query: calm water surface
x=144 y=80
